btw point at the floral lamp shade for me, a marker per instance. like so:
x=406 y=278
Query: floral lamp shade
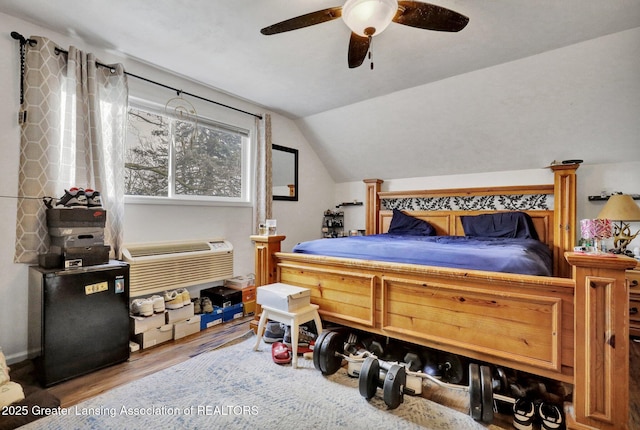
x=596 y=229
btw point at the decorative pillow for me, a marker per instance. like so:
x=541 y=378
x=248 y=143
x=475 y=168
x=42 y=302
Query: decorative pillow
x=501 y=224
x=402 y=223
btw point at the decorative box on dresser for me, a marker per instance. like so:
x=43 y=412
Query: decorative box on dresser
x=633 y=277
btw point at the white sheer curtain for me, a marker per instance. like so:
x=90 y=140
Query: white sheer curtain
x=263 y=200
x=73 y=136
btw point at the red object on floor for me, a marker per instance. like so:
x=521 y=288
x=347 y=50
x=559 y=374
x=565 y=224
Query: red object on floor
x=280 y=353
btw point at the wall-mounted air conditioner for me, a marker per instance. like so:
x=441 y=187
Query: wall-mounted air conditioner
x=161 y=266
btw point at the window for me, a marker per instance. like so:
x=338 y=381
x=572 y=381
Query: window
x=184 y=158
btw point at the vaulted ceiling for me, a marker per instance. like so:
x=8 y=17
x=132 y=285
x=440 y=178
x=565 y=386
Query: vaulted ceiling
x=515 y=89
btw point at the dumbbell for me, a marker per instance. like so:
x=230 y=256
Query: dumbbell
x=326 y=355
x=481 y=391
x=390 y=377
x=393 y=379
x=334 y=346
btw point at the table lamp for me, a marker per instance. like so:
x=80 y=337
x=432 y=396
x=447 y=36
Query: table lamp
x=621 y=208
x=596 y=229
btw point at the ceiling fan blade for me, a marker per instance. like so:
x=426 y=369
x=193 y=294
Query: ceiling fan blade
x=302 y=21
x=429 y=17
x=358 y=48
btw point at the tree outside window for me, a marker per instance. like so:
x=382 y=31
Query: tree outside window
x=170 y=157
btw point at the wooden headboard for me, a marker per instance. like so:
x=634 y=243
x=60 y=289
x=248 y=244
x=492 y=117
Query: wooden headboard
x=448 y=223
x=551 y=207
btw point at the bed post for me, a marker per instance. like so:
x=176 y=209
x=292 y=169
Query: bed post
x=564 y=218
x=266 y=271
x=373 y=205
x=265 y=265
x=601 y=341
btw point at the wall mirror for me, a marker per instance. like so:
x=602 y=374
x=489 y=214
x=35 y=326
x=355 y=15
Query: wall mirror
x=284 y=171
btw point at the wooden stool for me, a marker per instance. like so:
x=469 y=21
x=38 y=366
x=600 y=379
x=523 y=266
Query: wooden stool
x=293 y=319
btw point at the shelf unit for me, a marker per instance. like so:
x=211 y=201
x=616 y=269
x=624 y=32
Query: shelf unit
x=333 y=224
x=348 y=204
x=605 y=198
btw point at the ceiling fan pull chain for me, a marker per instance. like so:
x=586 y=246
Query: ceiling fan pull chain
x=370 y=53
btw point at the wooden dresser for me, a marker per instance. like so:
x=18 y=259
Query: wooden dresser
x=633 y=277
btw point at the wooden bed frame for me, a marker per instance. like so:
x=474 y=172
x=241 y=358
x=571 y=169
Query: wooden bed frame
x=572 y=327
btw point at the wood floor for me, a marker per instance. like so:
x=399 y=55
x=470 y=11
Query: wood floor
x=148 y=361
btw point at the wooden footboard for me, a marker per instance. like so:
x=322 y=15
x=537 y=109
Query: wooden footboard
x=524 y=322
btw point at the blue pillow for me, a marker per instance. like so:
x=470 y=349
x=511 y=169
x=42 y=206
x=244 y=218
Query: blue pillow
x=501 y=224
x=402 y=223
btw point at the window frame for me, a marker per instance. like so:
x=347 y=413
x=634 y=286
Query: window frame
x=246 y=197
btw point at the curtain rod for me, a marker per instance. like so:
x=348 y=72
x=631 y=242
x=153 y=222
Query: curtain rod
x=32 y=42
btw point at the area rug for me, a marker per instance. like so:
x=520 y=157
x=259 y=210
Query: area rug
x=234 y=387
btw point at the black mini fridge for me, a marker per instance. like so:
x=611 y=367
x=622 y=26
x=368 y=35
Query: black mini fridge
x=78 y=319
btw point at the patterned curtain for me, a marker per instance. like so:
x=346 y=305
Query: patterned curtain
x=262 y=204
x=73 y=136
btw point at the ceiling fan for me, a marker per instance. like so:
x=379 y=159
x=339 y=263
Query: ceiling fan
x=367 y=18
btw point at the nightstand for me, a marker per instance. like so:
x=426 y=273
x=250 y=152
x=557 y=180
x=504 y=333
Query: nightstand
x=633 y=277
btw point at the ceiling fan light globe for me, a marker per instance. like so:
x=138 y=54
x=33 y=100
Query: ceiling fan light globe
x=363 y=15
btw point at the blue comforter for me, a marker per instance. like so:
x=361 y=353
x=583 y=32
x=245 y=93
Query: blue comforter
x=523 y=256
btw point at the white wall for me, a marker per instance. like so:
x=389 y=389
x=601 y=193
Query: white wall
x=145 y=223
x=301 y=220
